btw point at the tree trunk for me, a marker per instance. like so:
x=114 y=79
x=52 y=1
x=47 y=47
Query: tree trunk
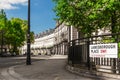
x=113 y=22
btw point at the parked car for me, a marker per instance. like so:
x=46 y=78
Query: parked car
x=6 y=54
x=25 y=53
x=13 y=54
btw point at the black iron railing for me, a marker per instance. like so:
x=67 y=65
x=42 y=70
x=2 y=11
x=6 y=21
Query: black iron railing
x=78 y=53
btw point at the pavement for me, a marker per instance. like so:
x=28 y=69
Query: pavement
x=93 y=74
x=23 y=71
x=46 y=68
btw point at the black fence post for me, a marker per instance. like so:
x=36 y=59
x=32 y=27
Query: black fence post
x=68 y=46
x=88 y=57
x=114 y=65
x=73 y=48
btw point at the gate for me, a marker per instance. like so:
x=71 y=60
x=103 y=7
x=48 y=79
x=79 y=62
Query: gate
x=78 y=54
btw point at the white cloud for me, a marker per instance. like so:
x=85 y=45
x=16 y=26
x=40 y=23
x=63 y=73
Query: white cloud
x=8 y=4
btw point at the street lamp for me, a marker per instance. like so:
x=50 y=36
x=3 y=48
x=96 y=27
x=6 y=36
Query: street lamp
x=28 y=60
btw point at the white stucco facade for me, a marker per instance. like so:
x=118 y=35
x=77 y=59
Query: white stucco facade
x=40 y=45
x=53 y=43
x=56 y=41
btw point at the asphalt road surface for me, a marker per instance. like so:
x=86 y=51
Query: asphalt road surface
x=41 y=69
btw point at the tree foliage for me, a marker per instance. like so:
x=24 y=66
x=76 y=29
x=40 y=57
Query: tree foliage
x=3 y=20
x=15 y=31
x=89 y=15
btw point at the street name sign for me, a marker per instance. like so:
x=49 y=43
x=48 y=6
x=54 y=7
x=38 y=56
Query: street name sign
x=104 y=50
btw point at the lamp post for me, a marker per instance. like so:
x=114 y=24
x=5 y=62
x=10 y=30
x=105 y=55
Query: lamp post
x=28 y=59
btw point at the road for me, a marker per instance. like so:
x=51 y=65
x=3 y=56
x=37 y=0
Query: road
x=45 y=69
x=7 y=62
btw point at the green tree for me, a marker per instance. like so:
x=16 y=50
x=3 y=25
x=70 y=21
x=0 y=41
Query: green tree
x=75 y=12
x=25 y=28
x=15 y=33
x=3 y=21
x=89 y=15
x=32 y=37
x=108 y=13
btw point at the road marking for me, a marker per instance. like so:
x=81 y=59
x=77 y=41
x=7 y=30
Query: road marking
x=14 y=74
x=6 y=75
x=1 y=77
x=10 y=74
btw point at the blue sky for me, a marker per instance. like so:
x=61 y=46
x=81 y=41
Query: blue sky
x=42 y=15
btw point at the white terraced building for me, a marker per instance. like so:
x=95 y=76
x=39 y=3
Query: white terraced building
x=42 y=44
x=54 y=41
